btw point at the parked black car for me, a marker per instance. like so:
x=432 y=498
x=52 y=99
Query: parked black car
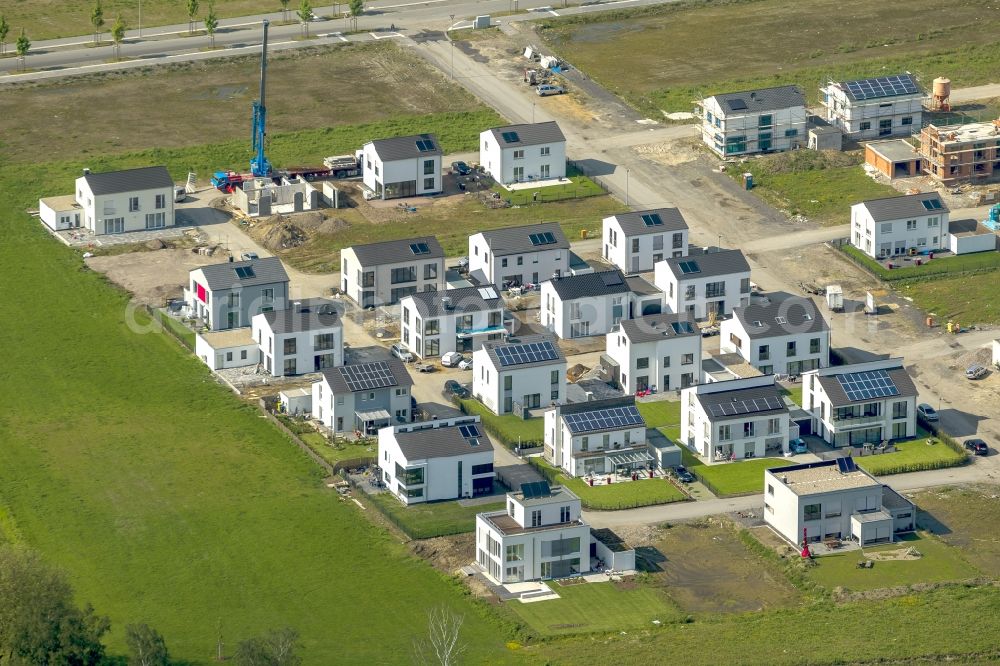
x=456 y=389
x=683 y=475
x=977 y=446
x=461 y=168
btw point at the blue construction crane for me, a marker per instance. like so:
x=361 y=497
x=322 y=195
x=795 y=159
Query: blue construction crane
x=259 y=165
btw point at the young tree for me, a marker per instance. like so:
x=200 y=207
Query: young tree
x=192 y=9
x=39 y=623
x=276 y=648
x=305 y=14
x=118 y=34
x=23 y=45
x=4 y=29
x=211 y=23
x=146 y=646
x=97 y=20
x=357 y=8
x=442 y=645
x=284 y=10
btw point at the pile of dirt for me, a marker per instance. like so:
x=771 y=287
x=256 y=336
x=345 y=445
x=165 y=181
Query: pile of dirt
x=447 y=554
x=671 y=153
x=319 y=224
x=278 y=233
x=982 y=356
x=899 y=554
x=577 y=371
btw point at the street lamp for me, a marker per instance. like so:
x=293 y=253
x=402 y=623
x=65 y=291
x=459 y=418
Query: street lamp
x=626 y=185
x=140 y=18
x=532 y=113
x=452 y=25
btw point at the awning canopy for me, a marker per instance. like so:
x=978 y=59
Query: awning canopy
x=630 y=458
x=471 y=332
x=377 y=415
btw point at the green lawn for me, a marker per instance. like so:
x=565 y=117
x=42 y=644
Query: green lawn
x=510 y=429
x=794 y=394
x=912 y=455
x=596 y=607
x=940 y=562
x=740 y=477
x=966 y=299
x=185 y=334
x=432 y=519
x=343 y=451
x=660 y=413
x=166 y=499
x=644 y=492
x=941 y=267
x=578 y=187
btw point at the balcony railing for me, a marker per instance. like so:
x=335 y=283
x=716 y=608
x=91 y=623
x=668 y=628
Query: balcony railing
x=851 y=421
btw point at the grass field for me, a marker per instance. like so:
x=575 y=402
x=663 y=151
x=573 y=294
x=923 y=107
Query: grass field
x=676 y=55
x=166 y=499
x=736 y=478
x=660 y=413
x=794 y=394
x=939 y=562
x=966 y=299
x=343 y=451
x=424 y=521
x=957 y=516
x=627 y=495
x=207 y=103
x=912 y=453
x=510 y=429
x=596 y=607
x=577 y=187
x=934 y=269
x=821 y=186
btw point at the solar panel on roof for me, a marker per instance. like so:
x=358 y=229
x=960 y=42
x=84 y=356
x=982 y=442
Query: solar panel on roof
x=611 y=278
x=681 y=327
x=468 y=431
x=535 y=489
x=424 y=145
x=846 y=464
x=751 y=406
x=244 y=272
x=932 y=204
x=526 y=353
x=367 y=376
x=737 y=104
x=688 y=267
x=882 y=86
x=488 y=293
x=544 y=238
x=419 y=248
x=652 y=220
x=604 y=419
x=867 y=385
x=510 y=137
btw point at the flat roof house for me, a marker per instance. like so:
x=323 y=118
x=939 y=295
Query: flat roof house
x=754 y=121
x=229 y=294
x=577 y=306
x=60 y=212
x=735 y=419
x=444 y=459
x=383 y=273
x=519 y=153
x=965 y=236
x=704 y=283
x=778 y=334
x=434 y=323
x=129 y=200
x=363 y=397
x=961 y=153
x=833 y=499
x=306 y=337
x=232 y=348
x=661 y=352
x=894 y=226
x=862 y=403
x=635 y=241
x=520 y=374
x=516 y=256
x=882 y=106
x=403 y=166
x=597 y=437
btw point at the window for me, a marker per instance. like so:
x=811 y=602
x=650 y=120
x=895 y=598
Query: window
x=885 y=127
x=725 y=433
x=642 y=363
x=748 y=428
x=485 y=468
x=243 y=354
x=515 y=553
x=658 y=242
x=906 y=120
x=745 y=286
x=536 y=518
x=289 y=346
x=324 y=341
x=430 y=271
x=518 y=154
x=899 y=410
x=544 y=171
x=666 y=361
x=267 y=295
x=429 y=167
x=790 y=350
x=814 y=346
x=885 y=228
x=687 y=359
x=773 y=426
x=156 y=220
x=911 y=225
x=409 y=477
x=503 y=263
x=519 y=173
x=584 y=443
x=234 y=300
x=678 y=241
x=229 y=356
x=520 y=261
x=161 y=201
x=545 y=151
x=406 y=315
x=406 y=274
x=555 y=377
x=508 y=383
x=715 y=289
x=290 y=366
x=432 y=347
x=133 y=204
x=431 y=327
x=367 y=279
x=791 y=132
x=114 y=225
x=932 y=222
x=574 y=311
x=766 y=120
x=465 y=323
x=635 y=244
x=770 y=489
x=865 y=125
x=429 y=183
x=811 y=512
x=689 y=293
x=564 y=514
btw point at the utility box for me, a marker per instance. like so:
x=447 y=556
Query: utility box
x=481 y=22
x=835 y=298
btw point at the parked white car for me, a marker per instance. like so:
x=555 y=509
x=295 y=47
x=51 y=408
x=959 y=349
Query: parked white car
x=466 y=364
x=402 y=353
x=451 y=359
x=928 y=412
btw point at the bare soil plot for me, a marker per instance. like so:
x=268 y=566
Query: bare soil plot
x=151 y=277
x=207 y=102
x=708 y=569
x=965 y=518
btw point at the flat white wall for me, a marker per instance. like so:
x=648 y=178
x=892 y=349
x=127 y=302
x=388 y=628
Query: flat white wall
x=621 y=250
x=533 y=267
x=502 y=163
x=771 y=355
x=440 y=474
x=272 y=348
x=239 y=356
x=968 y=244
x=99 y=208
x=893 y=237
x=64 y=218
x=429 y=277
x=667 y=360
x=337 y=411
x=377 y=174
x=488 y=383
x=414 y=329
x=861 y=119
x=676 y=294
x=826 y=424
x=784 y=510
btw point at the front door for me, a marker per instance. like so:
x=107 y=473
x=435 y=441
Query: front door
x=233 y=319
x=635 y=264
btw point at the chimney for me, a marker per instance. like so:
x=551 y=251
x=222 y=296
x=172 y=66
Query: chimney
x=232 y=258
x=446 y=302
x=86 y=171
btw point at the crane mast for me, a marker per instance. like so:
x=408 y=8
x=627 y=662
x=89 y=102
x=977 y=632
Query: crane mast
x=259 y=164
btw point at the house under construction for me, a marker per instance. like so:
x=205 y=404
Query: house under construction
x=961 y=153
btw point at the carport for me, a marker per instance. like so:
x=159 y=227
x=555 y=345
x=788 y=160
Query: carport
x=370 y=422
x=631 y=461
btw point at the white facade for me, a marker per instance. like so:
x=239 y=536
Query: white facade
x=534 y=538
x=372 y=283
x=226 y=349
x=817 y=501
x=536 y=152
x=651 y=354
x=401 y=171
x=317 y=343
x=784 y=337
x=128 y=209
x=865 y=420
x=518 y=263
x=876 y=117
x=996 y=353
x=503 y=388
x=454 y=320
x=58 y=213
x=594 y=452
x=892 y=234
x=345 y=411
x=638 y=252
x=433 y=460
x=704 y=294
x=756 y=121
x=593 y=312
x=711 y=428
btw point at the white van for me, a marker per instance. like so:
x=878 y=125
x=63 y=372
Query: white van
x=547 y=89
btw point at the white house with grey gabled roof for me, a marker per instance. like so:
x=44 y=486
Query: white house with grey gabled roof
x=379 y=274
x=754 y=121
x=403 y=166
x=892 y=226
x=519 y=374
x=229 y=294
x=878 y=107
x=577 y=306
x=515 y=256
x=129 y=200
x=635 y=241
x=735 y=419
x=363 y=397
x=705 y=283
x=660 y=352
x=519 y=153
x=444 y=459
x=306 y=337
x=778 y=334
x=597 y=437
x=433 y=323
